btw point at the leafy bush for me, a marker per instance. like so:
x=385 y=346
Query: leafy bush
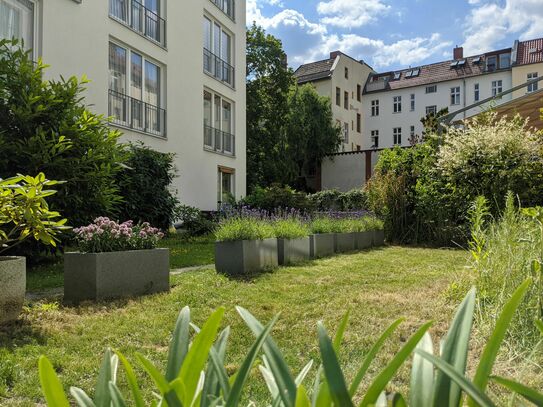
x=242 y=228
x=345 y=223
x=333 y=200
x=105 y=235
x=276 y=197
x=195 y=222
x=25 y=214
x=45 y=127
x=290 y=228
x=144 y=186
x=196 y=371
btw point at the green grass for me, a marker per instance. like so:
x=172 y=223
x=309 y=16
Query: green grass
x=378 y=286
x=184 y=252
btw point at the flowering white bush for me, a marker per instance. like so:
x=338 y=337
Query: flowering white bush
x=106 y=235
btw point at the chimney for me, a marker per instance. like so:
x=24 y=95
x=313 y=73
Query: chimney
x=334 y=54
x=458 y=53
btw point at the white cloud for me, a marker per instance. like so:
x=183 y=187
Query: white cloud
x=489 y=23
x=351 y=13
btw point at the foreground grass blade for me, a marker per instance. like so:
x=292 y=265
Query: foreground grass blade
x=522 y=390
x=179 y=346
x=50 y=384
x=278 y=366
x=81 y=398
x=212 y=388
x=245 y=369
x=132 y=381
x=380 y=382
x=341 y=331
x=332 y=370
x=399 y=401
x=301 y=398
x=480 y=398
x=422 y=375
x=219 y=370
x=102 y=396
x=455 y=352
x=539 y=325
x=371 y=356
x=117 y=399
x=490 y=352
x=154 y=373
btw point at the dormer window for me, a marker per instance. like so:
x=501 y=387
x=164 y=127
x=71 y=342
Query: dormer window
x=491 y=63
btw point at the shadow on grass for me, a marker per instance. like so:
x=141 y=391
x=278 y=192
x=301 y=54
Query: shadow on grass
x=21 y=333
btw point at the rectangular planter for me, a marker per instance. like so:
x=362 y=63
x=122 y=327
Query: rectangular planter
x=378 y=237
x=290 y=251
x=345 y=242
x=322 y=245
x=101 y=276
x=244 y=257
x=363 y=240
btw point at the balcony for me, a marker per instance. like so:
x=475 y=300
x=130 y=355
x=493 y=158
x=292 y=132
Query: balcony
x=218 y=68
x=228 y=7
x=219 y=141
x=140 y=19
x=135 y=114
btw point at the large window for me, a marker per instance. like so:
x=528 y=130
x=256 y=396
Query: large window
x=346 y=133
x=497 y=87
x=532 y=87
x=218 y=52
x=375 y=139
x=227 y=6
x=375 y=108
x=431 y=109
x=218 y=124
x=397 y=136
x=413 y=102
x=135 y=91
x=226 y=191
x=397 y=104
x=431 y=89
x=455 y=95
x=358 y=122
x=359 y=93
x=143 y=16
x=17 y=21
x=346 y=100
x=338 y=96
x=476 y=92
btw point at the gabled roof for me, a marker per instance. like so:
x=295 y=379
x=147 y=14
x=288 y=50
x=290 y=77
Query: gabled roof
x=314 y=70
x=530 y=52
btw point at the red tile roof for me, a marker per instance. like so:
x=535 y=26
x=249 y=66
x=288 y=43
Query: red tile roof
x=530 y=52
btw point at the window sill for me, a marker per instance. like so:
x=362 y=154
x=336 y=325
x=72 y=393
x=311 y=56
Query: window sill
x=210 y=150
x=133 y=130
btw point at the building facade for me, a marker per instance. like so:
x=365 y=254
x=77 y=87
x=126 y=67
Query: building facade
x=170 y=74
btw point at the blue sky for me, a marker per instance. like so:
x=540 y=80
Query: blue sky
x=391 y=34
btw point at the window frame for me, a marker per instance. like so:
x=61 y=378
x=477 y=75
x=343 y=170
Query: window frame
x=34 y=27
x=497 y=87
x=476 y=92
x=375 y=108
x=533 y=87
x=375 y=138
x=412 y=101
x=431 y=89
x=338 y=96
x=432 y=109
x=346 y=100
x=397 y=104
x=455 y=96
x=358 y=123
x=213 y=120
x=397 y=136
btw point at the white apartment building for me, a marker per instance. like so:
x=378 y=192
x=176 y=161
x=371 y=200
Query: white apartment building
x=170 y=74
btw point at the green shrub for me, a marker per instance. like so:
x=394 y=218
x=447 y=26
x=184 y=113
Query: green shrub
x=333 y=200
x=144 y=186
x=239 y=228
x=46 y=127
x=327 y=224
x=290 y=229
x=195 y=370
x=276 y=197
x=324 y=225
x=195 y=222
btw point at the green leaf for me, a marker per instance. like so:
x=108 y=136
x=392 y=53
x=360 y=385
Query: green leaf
x=102 y=396
x=301 y=398
x=455 y=352
x=179 y=345
x=522 y=390
x=341 y=331
x=383 y=378
x=468 y=387
x=81 y=398
x=278 y=366
x=154 y=373
x=490 y=352
x=539 y=325
x=212 y=389
x=422 y=375
x=332 y=370
x=50 y=384
x=132 y=381
x=371 y=356
x=221 y=373
x=117 y=399
x=399 y=401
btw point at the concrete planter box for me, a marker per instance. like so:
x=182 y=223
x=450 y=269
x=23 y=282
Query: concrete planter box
x=243 y=257
x=101 y=276
x=345 y=242
x=378 y=237
x=290 y=251
x=363 y=240
x=12 y=287
x=322 y=245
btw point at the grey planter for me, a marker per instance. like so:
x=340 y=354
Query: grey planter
x=12 y=287
x=322 y=245
x=378 y=237
x=243 y=257
x=291 y=251
x=101 y=276
x=345 y=242
x=363 y=240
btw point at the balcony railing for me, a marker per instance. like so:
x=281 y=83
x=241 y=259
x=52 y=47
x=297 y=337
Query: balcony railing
x=139 y=18
x=135 y=114
x=219 y=141
x=218 y=68
x=227 y=6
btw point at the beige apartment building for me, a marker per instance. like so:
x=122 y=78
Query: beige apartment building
x=528 y=65
x=170 y=74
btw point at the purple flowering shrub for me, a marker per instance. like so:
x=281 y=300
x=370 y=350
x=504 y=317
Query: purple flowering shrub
x=106 y=235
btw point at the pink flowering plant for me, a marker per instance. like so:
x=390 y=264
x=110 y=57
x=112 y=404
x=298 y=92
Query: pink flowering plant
x=106 y=235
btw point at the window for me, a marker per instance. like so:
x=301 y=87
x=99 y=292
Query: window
x=532 y=87
x=375 y=108
x=397 y=76
x=412 y=102
x=412 y=134
x=374 y=138
x=346 y=133
x=497 y=87
x=359 y=93
x=225 y=185
x=346 y=73
x=431 y=89
x=17 y=20
x=397 y=104
x=491 y=63
x=218 y=124
x=141 y=16
x=346 y=100
x=358 y=122
x=338 y=96
x=431 y=109
x=227 y=6
x=505 y=61
x=135 y=85
x=397 y=136
x=455 y=95
x=476 y=92
x=218 y=52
